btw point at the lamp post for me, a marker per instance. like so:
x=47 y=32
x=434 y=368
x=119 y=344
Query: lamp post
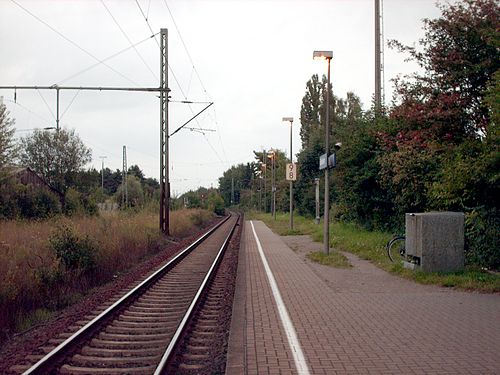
x=272 y=155
x=326 y=55
x=291 y=162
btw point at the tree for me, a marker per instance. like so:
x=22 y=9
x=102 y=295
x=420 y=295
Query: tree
x=7 y=145
x=310 y=110
x=135 y=192
x=459 y=55
x=55 y=156
x=134 y=170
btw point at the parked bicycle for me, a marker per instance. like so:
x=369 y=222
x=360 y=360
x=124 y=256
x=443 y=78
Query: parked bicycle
x=396 y=248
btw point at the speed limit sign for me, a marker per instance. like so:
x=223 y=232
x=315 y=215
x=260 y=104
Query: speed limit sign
x=291 y=172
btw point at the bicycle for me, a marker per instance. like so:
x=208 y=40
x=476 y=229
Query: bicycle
x=396 y=249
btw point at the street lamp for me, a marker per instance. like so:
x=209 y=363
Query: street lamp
x=291 y=166
x=326 y=55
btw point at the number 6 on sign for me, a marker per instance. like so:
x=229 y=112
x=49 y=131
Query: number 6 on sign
x=291 y=172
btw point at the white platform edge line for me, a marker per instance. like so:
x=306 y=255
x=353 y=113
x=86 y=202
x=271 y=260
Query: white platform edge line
x=291 y=334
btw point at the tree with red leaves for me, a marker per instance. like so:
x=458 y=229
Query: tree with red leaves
x=459 y=54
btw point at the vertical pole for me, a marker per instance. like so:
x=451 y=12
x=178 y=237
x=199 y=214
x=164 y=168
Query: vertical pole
x=316 y=182
x=291 y=182
x=232 y=191
x=326 y=233
x=164 y=171
x=274 y=186
x=378 y=94
x=260 y=191
x=102 y=175
x=264 y=159
x=57 y=109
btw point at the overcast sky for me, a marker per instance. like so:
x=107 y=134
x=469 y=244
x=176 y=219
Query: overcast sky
x=252 y=58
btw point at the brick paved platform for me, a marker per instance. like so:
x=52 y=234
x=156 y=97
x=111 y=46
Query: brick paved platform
x=355 y=321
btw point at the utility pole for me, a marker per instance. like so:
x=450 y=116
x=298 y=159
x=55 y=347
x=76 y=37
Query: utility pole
x=260 y=190
x=316 y=183
x=272 y=156
x=378 y=64
x=124 y=178
x=163 y=91
x=290 y=119
x=164 y=172
x=232 y=191
x=264 y=161
x=102 y=172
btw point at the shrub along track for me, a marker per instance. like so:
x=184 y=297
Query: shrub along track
x=113 y=350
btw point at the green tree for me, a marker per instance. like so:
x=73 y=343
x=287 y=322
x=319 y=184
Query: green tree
x=7 y=144
x=56 y=156
x=134 y=191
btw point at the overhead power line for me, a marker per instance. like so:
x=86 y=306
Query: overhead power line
x=73 y=43
x=107 y=58
x=158 y=43
x=128 y=39
x=187 y=51
x=197 y=75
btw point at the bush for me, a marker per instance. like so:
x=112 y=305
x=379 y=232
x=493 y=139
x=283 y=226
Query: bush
x=74 y=252
x=216 y=204
x=482 y=239
x=76 y=203
x=36 y=203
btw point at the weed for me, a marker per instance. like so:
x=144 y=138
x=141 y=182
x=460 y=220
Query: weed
x=334 y=259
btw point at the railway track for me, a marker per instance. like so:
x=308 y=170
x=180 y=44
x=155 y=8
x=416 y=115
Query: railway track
x=150 y=325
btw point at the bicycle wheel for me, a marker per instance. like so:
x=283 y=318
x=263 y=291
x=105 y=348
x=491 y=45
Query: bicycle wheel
x=396 y=249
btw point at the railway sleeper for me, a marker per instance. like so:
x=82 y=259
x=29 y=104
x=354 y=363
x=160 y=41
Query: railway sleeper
x=166 y=309
x=142 y=323
x=144 y=318
x=137 y=352
x=120 y=337
x=139 y=330
x=99 y=362
x=76 y=370
x=130 y=344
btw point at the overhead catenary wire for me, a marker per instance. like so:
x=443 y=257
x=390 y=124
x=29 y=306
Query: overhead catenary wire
x=70 y=103
x=46 y=104
x=128 y=39
x=177 y=81
x=73 y=43
x=197 y=74
x=29 y=111
x=107 y=58
x=158 y=44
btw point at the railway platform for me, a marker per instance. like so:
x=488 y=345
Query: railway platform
x=294 y=317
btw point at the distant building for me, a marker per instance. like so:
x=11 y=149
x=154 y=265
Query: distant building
x=26 y=176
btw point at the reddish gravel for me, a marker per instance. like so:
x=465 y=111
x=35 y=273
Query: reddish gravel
x=16 y=349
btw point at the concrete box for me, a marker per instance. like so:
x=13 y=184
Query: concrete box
x=435 y=241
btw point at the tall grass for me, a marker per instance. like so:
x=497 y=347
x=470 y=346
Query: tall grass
x=33 y=278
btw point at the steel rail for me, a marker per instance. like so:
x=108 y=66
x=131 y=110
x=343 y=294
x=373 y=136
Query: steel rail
x=167 y=356
x=45 y=364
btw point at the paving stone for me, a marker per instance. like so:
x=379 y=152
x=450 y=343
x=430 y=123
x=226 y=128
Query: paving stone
x=355 y=321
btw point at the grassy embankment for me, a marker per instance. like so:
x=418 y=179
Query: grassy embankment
x=35 y=282
x=370 y=245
